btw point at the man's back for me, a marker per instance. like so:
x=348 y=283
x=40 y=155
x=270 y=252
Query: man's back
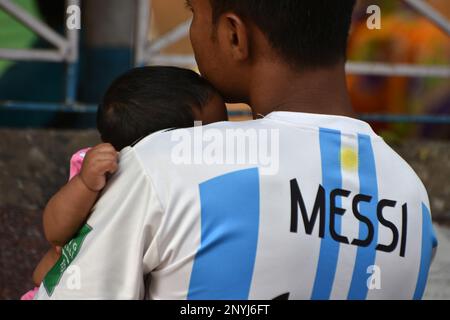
x=319 y=207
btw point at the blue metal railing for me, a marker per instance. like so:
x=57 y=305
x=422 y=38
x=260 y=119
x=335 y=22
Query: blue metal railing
x=70 y=105
x=49 y=107
x=73 y=107
x=405 y=118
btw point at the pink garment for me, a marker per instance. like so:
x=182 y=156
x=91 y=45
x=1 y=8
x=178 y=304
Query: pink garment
x=76 y=162
x=30 y=294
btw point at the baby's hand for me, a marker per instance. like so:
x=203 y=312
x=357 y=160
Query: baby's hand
x=99 y=161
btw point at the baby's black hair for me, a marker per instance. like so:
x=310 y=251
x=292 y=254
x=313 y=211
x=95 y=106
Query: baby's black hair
x=149 y=99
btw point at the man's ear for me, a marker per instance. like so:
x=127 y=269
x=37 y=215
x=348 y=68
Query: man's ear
x=235 y=36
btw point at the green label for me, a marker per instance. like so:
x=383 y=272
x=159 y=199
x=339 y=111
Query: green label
x=68 y=254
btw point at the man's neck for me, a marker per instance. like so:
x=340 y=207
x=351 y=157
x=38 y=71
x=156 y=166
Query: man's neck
x=279 y=88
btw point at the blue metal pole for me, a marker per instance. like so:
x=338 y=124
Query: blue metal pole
x=71 y=82
x=404 y=118
x=49 y=107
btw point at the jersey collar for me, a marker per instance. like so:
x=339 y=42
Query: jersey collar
x=341 y=123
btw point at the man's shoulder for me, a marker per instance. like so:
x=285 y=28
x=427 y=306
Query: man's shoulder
x=161 y=143
x=400 y=172
x=190 y=152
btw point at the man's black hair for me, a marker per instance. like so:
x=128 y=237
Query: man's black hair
x=308 y=33
x=149 y=99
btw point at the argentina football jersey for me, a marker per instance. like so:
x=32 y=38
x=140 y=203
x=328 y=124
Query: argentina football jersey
x=291 y=206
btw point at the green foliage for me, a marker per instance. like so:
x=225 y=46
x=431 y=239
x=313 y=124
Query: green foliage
x=13 y=34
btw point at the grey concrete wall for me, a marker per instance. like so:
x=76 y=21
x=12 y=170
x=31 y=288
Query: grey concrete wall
x=33 y=166
x=109 y=23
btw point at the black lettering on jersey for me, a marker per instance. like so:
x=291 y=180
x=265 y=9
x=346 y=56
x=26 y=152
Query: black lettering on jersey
x=282 y=297
x=334 y=210
x=404 y=230
x=381 y=205
x=356 y=201
x=318 y=209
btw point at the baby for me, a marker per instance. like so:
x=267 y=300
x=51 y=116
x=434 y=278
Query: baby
x=139 y=103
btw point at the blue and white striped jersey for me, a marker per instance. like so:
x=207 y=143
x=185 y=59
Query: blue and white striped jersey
x=292 y=206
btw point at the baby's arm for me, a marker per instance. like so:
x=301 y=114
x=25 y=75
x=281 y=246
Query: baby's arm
x=68 y=209
x=44 y=266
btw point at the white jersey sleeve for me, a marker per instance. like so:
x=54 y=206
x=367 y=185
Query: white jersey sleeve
x=106 y=259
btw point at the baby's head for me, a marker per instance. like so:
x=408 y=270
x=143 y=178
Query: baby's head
x=149 y=99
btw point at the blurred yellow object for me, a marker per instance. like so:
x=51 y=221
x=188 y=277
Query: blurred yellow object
x=404 y=38
x=167 y=14
x=349 y=159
